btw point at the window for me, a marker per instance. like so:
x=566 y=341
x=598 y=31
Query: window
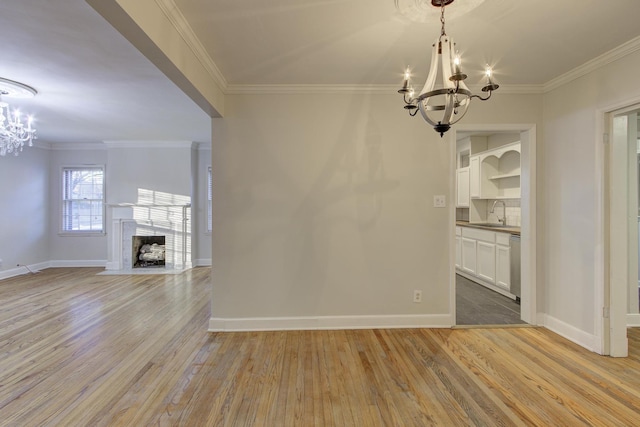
x=209 y=201
x=83 y=199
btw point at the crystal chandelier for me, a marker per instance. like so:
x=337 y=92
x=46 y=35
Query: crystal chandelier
x=444 y=99
x=13 y=132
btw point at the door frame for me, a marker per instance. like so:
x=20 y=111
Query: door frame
x=528 y=194
x=612 y=232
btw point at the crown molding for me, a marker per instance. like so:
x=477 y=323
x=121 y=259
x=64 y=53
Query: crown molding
x=178 y=20
x=182 y=26
x=353 y=89
x=619 y=52
x=307 y=89
x=148 y=144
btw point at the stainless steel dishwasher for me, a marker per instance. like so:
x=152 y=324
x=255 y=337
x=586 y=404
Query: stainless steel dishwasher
x=514 y=248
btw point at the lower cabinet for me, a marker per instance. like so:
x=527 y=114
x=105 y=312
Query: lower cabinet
x=468 y=255
x=503 y=267
x=484 y=256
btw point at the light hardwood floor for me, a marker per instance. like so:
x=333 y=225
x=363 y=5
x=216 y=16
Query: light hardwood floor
x=79 y=349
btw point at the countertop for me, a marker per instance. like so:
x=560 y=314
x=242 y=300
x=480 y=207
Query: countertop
x=508 y=229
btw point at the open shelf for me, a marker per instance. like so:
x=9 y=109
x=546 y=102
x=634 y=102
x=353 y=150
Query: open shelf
x=504 y=176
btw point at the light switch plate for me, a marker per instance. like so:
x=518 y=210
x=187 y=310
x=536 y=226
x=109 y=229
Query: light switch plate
x=439 y=201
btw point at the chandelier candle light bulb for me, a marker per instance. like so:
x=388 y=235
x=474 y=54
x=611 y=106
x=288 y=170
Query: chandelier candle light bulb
x=13 y=133
x=442 y=102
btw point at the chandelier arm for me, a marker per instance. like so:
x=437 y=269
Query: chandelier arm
x=481 y=98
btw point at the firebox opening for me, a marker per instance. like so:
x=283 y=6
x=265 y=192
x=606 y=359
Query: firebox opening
x=148 y=251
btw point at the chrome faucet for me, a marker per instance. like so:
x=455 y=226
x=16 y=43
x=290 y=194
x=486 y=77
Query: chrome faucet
x=502 y=221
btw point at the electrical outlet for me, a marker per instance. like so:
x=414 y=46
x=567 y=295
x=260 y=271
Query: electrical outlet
x=439 y=201
x=417 y=296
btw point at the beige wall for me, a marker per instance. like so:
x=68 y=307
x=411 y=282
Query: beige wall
x=570 y=180
x=323 y=206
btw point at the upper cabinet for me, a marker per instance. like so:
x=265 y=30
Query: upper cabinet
x=495 y=174
x=462 y=187
x=474 y=177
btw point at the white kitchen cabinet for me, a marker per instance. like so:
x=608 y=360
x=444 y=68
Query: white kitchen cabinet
x=486 y=261
x=503 y=258
x=499 y=173
x=503 y=268
x=462 y=187
x=484 y=257
x=468 y=255
x=474 y=177
x=458 y=247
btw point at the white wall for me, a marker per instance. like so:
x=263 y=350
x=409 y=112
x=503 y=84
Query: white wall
x=323 y=207
x=66 y=249
x=150 y=172
x=24 y=209
x=138 y=170
x=570 y=183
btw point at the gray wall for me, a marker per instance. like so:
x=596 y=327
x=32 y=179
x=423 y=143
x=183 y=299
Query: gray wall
x=323 y=207
x=24 y=208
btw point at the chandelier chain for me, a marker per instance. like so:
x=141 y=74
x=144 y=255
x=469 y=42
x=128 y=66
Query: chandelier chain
x=442 y=32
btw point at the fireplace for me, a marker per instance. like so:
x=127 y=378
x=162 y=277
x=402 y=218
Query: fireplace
x=167 y=225
x=148 y=251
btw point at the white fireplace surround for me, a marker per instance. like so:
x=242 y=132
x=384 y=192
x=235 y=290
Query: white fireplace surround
x=171 y=221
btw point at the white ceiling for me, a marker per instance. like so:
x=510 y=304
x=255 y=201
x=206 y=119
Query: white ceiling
x=94 y=86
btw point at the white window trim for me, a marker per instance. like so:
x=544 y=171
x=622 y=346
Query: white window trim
x=81 y=233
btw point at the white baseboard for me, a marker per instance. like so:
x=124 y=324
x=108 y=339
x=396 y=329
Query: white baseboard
x=24 y=269
x=329 y=322
x=633 y=320
x=19 y=271
x=589 y=341
x=78 y=263
x=204 y=262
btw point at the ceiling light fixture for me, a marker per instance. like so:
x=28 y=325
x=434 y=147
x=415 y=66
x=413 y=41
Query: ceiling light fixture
x=442 y=103
x=13 y=132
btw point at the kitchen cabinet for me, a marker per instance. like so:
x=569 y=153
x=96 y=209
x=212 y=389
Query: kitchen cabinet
x=486 y=261
x=503 y=273
x=503 y=261
x=495 y=174
x=474 y=177
x=458 y=247
x=468 y=255
x=462 y=187
x=484 y=257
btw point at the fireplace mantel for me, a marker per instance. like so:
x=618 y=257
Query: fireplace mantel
x=145 y=219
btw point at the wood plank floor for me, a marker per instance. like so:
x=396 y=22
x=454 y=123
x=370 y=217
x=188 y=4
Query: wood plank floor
x=477 y=305
x=79 y=349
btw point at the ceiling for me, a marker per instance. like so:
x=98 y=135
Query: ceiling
x=94 y=85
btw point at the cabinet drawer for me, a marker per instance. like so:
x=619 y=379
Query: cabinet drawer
x=474 y=233
x=503 y=238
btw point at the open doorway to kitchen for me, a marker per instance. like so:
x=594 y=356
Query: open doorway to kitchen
x=494 y=271
x=621 y=157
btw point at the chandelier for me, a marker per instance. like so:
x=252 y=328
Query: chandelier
x=13 y=132
x=444 y=99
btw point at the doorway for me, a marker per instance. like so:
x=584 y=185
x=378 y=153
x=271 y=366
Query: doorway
x=620 y=202
x=526 y=219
